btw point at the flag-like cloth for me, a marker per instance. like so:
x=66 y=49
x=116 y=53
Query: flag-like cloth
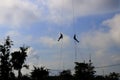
x=75 y=38
x=61 y=37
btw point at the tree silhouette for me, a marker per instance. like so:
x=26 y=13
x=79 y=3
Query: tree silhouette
x=99 y=78
x=5 y=66
x=12 y=76
x=25 y=77
x=113 y=76
x=39 y=73
x=18 y=59
x=66 y=75
x=84 y=71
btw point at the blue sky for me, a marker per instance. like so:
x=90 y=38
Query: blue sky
x=38 y=24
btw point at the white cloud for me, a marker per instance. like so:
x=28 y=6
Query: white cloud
x=20 y=40
x=101 y=39
x=48 y=41
x=32 y=59
x=18 y=12
x=102 y=43
x=51 y=42
x=62 y=10
x=114 y=25
x=96 y=39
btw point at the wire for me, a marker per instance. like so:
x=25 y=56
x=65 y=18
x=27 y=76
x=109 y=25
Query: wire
x=108 y=66
x=73 y=16
x=74 y=31
x=61 y=63
x=95 y=67
x=61 y=55
x=73 y=23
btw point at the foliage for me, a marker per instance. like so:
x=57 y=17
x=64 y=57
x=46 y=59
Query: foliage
x=10 y=60
x=84 y=71
x=39 y=73
x=99 y=77
x=16 y=61
x=5 y=66
x=113 y=76
x=66 y=75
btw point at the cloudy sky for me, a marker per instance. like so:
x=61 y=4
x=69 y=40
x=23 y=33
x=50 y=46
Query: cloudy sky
x=37 y=23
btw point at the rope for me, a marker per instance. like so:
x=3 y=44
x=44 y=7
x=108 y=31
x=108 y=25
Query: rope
x=73 y=24
x=75 y=46
x=61 y=56
x=76 y=52
x=61 y=63
x=73 y=17
x=74 y=30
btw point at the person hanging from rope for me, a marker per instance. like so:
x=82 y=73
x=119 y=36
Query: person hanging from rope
x=61 y=37
x=75 y=38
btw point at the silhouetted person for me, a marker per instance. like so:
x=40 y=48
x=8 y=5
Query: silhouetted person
x=75 y=38
x=61 y=37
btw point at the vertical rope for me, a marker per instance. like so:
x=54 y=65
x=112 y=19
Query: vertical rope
x=62 y=62
x=75 y=47
x=73 y=17
x=103 y=72
x=61 y=56
x=74 y=31
x=61 y=41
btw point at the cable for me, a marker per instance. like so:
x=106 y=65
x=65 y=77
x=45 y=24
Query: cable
x=61 y=63
x=108 y=66
x=61 y=55
x=73 y=23
x=74 y=31
x=60 y=70
x=73 y=17
x=75 y=51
